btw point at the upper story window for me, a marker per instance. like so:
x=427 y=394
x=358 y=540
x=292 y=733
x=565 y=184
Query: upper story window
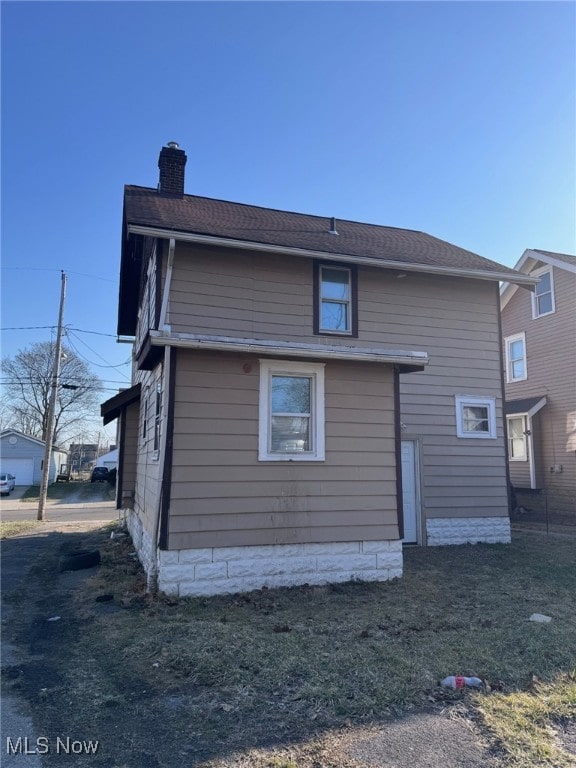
x=543 y=297
x=516 y=358
x=475 y=416
x=335 y=300
x=291 y=419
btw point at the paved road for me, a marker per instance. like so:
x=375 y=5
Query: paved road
x=12 y=509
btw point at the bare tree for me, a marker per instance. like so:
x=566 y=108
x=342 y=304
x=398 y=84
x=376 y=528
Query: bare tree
x=27 y=382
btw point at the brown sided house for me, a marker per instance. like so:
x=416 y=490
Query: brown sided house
x=309 y=394
x=539 y=346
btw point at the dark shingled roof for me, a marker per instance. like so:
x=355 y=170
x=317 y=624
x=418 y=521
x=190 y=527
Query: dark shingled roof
x=521 y=406
x=237 y=221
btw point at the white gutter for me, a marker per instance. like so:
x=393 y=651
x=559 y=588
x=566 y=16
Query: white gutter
x=294 y=349
x=167 y=283
x=371 y=261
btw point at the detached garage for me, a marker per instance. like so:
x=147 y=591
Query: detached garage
x=22 y=456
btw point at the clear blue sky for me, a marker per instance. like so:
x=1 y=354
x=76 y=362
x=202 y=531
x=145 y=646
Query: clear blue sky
x=453 y=118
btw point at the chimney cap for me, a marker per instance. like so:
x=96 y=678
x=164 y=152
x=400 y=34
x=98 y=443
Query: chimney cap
x=173 y=145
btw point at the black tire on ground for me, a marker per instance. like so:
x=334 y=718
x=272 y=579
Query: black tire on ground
x=80 y=559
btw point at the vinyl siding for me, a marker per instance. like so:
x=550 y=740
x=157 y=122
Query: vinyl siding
x=130 y=449
x=454 y=320
x=149 y=466
x=551 y=365
x=221 y=495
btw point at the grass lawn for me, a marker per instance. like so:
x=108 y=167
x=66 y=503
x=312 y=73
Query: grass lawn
x=8 y=529
x=75 y=491
x=288 y=665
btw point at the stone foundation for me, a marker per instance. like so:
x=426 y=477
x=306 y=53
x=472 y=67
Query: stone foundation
x=468 y=530
x=141 y=539
x=214 y=571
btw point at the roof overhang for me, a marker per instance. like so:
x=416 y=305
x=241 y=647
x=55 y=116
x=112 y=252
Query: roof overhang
x=190 y=237
x=526 y=407
x=527 y=263
x=415 y=361
x=113 y=407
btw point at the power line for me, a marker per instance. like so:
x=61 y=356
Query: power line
x=53 y=269
x=28 y=328
x=99 y=365
x=43 y=327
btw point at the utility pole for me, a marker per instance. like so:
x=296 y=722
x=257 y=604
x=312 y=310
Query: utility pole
x=52 y=405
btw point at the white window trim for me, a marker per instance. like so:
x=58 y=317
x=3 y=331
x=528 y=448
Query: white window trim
x=317 y=431
x=474 y=400
x=348 y=302
x=525 y=456
x=509 y=340
x=539 y=273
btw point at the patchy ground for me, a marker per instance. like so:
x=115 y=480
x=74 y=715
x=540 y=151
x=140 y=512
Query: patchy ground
x=313 y=677
x=74 y=492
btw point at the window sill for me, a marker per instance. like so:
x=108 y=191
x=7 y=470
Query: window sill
x=289 y=458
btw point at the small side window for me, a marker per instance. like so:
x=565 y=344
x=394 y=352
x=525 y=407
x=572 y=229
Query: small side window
x=475 y=416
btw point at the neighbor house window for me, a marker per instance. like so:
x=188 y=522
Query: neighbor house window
x=516 y=438
x=475 y=416
x=335 y=299
x=516 y=358
x=291 y=423
x=543 y=296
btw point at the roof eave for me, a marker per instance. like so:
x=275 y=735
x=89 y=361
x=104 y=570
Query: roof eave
x=191 y=237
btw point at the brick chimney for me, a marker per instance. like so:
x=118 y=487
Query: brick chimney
x=171 y=162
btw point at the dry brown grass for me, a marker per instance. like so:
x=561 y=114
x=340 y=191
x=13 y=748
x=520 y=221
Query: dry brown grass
x=232 y=674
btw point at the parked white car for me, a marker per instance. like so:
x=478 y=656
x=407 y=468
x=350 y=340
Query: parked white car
x=7 y=483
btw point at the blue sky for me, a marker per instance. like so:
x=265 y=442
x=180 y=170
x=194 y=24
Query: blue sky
x=454 y=118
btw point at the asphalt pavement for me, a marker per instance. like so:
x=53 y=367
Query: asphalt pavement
x=13 y=509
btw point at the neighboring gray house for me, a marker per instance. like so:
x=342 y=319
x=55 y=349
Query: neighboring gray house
x=308 y=394
x=23 y=457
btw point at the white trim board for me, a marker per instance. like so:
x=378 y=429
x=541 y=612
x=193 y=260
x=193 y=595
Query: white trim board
x=276 y=347
x=250 y=245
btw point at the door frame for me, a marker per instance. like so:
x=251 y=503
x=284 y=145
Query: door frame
x=417 y=447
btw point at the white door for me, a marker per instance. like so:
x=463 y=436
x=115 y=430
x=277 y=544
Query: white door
x=22 y=469
x=409 y=492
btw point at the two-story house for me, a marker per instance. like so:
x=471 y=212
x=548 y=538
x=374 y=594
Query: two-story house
x=539 y=347
x=308 y=393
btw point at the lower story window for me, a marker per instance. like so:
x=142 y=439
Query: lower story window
x=291 y=409
x=516 y=438
x=475 y=416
